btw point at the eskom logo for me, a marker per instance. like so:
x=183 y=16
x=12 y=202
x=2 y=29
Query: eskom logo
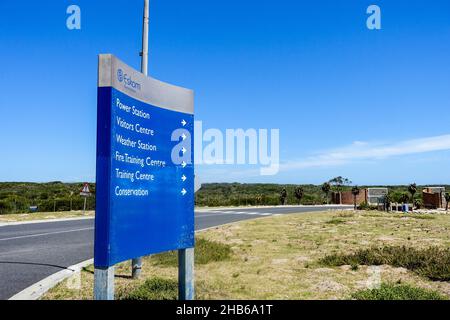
x=120 y=75
x=128 y=82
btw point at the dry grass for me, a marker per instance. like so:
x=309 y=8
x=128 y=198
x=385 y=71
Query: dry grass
x=44 y=216
x=277 y=257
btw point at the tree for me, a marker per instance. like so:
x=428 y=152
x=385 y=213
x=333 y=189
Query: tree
x=339 y=183
x=299 y=193
x=259 y=199
x=404 y=198
x=387 y=202
x=326 y=188
x=412 y=190
x=283 y=196
x=5 y=207
x=447 y=199
x=336 y=182
x=355 y=192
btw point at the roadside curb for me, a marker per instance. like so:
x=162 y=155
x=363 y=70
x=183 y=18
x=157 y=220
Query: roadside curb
x=37 y=290
x=7 y=224
x=325 y=207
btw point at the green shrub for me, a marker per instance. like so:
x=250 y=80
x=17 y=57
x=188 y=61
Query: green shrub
x=154 y=289
x=5 y=207
x=367 y=207
x=397 y=292
x=422 y=217
x=335 y=221
x=433 y=263
x=17 y=197
x=205 y=252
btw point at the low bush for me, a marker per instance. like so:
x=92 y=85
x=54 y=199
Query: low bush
x=367 y=207
x=154 y=289
x=433 y=263
x=335 y=221
x=397 y=292
x=205 y=252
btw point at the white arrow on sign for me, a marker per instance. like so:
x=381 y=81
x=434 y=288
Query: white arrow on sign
x=184 y=123
x=183 y=150
x=184 y=164
x=183 y=192
x=183 y=178
x=184 y=137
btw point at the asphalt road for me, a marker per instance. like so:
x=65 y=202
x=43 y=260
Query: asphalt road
x=32 y=252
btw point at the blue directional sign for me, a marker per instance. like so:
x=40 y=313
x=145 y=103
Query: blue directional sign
x=145 y=172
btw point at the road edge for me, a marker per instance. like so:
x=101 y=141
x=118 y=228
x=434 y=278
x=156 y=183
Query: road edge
x=198 y=209
x=19 y=223
x=40 y=288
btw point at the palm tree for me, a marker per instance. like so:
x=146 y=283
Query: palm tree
x=413 y=190
x=387 y=201
x=326 y=188
x=404 y=199
x=299 y=193
x=447 y=200
x=283 y=196
x=355 y=192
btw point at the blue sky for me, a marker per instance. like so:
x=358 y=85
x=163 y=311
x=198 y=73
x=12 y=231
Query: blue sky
x=369 y=105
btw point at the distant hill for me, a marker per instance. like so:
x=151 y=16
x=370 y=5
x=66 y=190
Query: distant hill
x=17 y=197
x=235 y=194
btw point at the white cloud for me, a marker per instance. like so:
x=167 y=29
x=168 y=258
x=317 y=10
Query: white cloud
x=369 y=151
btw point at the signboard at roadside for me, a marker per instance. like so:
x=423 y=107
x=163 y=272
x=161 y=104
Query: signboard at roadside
x=145 y=172
x=85 y=192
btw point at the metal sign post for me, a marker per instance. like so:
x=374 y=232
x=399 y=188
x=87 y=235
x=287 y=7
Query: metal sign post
x=136 y=264
x=186 y=289
x=85 y=193
x=104 y=283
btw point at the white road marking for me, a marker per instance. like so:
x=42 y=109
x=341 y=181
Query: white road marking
x=45 y=234
x=212 y=215
x=223 y=213
x=217 y=213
